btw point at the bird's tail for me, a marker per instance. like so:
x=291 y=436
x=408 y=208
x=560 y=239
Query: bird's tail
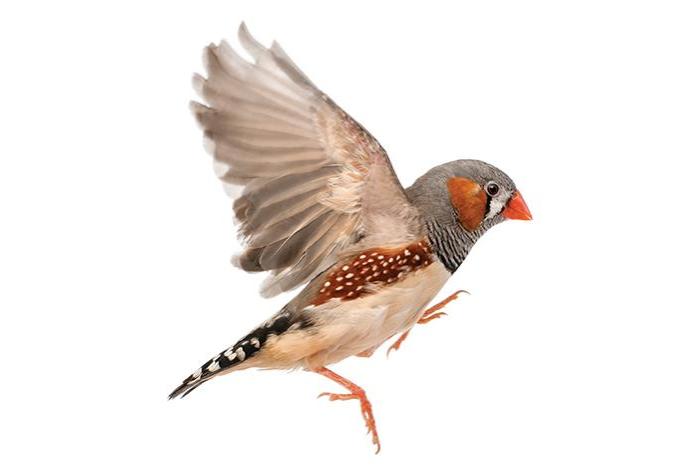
x=235 y=357
x=220 y=364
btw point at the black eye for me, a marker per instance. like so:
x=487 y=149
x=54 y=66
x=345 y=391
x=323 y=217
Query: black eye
x=492 y=189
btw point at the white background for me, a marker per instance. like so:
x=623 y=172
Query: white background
x=115 y=237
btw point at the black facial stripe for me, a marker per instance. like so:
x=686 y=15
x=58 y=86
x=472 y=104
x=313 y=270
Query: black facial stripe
x=489 y=199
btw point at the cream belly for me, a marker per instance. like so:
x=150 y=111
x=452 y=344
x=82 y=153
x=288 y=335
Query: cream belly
x=346 y=328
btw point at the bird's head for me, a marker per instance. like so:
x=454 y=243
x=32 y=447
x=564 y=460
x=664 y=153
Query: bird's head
x=461 y=200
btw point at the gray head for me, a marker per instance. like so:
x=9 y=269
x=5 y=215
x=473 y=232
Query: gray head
x=461 y=200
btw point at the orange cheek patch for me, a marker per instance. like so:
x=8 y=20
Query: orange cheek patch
x=469 y=201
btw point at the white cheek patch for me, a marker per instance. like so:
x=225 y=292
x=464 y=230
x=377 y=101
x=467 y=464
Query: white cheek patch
x=497 y=203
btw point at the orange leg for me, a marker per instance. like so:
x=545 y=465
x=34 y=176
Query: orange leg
x=428 y=315
x=357 y=393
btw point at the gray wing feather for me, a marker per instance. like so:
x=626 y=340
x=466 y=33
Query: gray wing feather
x=315 y=182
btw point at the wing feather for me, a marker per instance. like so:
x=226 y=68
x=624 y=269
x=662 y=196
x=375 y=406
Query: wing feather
x=315 y=183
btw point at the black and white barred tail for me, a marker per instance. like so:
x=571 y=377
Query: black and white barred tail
x=241 y=352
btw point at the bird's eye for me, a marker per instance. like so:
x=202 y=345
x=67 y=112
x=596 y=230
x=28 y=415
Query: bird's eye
x=492 y=189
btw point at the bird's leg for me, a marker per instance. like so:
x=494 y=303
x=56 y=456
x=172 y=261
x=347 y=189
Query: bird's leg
x=357 y=393
x=430 y=314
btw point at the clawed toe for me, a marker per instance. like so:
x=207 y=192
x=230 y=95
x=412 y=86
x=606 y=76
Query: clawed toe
x=357 y=394
x=396 y=345
x=428 y=318
x=337 y=396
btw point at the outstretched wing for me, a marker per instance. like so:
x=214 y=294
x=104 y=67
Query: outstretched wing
x=314 y=181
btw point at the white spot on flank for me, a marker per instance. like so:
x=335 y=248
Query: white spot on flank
x=407 y=252
x=339 y=288
x=380 y=257
x=349 y=275
x=417 y=258
x=345 y=268
x=362 y=256
x=359 y=288
x=350 y=293
x=327 y=283
x=339 y=278
x=349 y=283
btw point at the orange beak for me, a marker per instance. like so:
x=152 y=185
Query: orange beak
x=516 y=208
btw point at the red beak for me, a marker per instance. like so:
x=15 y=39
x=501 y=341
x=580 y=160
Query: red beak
x=516 y=208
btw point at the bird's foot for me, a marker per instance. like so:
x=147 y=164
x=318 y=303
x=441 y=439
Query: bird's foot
x=435 y=310
x=430 y=314
x=396 y=345
x=357 y=393
x=366 y=411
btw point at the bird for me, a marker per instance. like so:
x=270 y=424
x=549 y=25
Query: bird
x=320 y=207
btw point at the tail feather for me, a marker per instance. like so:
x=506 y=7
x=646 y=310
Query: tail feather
x=241 y=352
x=186 y=387
x=219 y=364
